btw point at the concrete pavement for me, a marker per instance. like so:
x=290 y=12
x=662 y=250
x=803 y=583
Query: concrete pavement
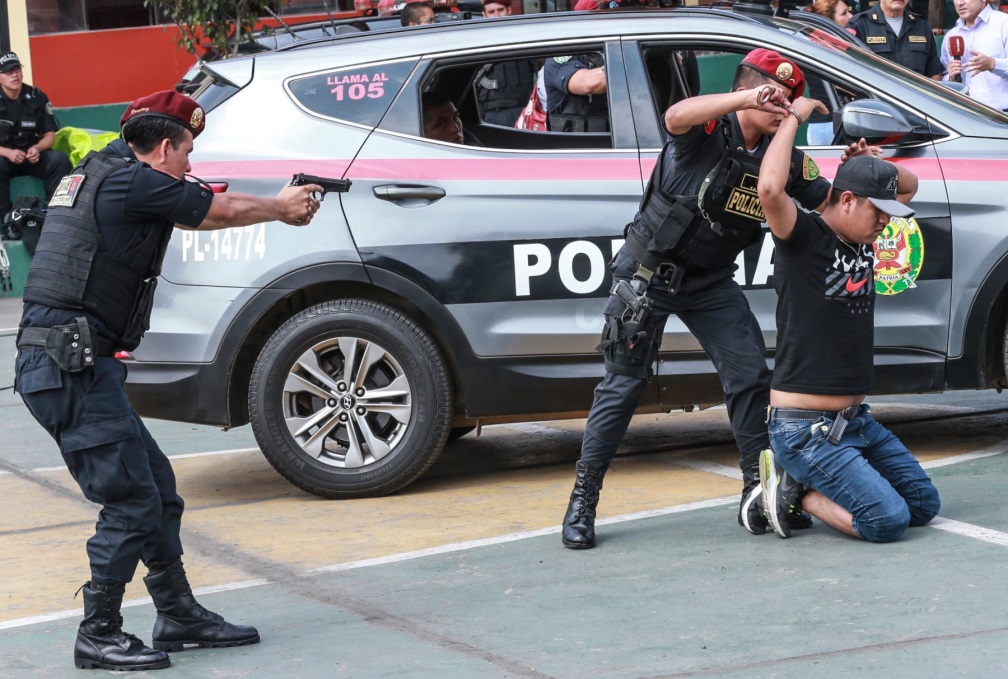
x=462 y=574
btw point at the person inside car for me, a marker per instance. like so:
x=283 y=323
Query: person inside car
x=441 y=121
x=830 y=457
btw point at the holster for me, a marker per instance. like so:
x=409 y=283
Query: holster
x=71 y=346
x=627 y=346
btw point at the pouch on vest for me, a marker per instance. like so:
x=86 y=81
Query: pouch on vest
x=139 y=320
x=668 y=234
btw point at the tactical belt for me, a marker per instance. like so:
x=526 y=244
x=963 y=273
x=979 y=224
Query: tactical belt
x=39 y=337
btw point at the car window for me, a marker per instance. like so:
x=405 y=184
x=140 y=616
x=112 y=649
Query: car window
x=359 y=95
x=491 y=95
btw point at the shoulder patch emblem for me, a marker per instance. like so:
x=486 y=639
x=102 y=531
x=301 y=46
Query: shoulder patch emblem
x=899 y=256
x=810 y=170
x=561 y=60
x=709 y=126
x=66 y=192
x=48 y=108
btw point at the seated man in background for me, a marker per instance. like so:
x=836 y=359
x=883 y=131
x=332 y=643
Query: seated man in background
x=27 y=132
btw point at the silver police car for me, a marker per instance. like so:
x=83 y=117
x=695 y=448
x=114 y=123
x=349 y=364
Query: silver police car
x=461 y=284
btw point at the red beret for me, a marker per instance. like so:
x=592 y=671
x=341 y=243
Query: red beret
x=168 y=104
x=777 y=68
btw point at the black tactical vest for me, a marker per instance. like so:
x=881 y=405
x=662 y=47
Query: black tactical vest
x=21 y=131
x=711 y=231
x=580 y=113
x=72 y=270
x=503 y=89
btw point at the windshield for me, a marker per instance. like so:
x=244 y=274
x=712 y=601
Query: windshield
x=927 y=86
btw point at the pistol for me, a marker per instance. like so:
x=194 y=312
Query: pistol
x=327 y=184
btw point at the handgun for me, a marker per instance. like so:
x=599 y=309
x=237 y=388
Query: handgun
x=327 y=184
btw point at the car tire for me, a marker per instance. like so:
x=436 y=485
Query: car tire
x=360 y=432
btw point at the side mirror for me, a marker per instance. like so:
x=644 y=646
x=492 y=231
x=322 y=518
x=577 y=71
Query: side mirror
x=875 y=121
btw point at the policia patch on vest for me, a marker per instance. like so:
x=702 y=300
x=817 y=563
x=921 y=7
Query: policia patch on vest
x=66 y=192
x=744 y=199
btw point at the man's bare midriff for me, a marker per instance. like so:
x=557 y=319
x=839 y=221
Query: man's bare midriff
x=790 y=399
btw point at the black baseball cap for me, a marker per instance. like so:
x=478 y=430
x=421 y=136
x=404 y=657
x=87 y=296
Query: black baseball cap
x=875 y=179
x=8 y=62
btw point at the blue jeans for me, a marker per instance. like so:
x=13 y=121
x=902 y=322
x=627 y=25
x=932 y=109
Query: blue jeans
x=870 y=473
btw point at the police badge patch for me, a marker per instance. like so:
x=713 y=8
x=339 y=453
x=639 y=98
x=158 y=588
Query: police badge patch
x=810 y=170
x=48 y=108
x=66 y=192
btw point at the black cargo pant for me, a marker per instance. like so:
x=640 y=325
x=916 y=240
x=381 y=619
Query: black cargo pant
x=50 y=168
x=113 y=458
x=716 y=312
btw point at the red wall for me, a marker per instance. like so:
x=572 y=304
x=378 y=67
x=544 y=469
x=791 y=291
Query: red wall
x=88 y=68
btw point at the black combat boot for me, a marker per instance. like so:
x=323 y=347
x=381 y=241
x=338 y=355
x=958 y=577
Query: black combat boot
x=579 y=522
x=181 y=620
x=101 y=643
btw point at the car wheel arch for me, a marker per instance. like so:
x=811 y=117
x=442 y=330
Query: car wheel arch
x=985 y=337
x=272 y=306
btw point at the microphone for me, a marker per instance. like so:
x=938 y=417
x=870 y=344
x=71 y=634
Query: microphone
x=956 y=49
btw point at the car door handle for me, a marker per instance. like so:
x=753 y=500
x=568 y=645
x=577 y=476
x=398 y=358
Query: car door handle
x=400 y=192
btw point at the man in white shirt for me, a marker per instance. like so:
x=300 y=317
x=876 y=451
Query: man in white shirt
x=983 y=66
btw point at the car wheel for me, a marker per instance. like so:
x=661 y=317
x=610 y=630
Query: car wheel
x=350 y=398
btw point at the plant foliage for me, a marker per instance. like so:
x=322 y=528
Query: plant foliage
x=218 y=26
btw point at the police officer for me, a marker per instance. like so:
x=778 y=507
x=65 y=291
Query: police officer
x=89 y=293
x=576 y=93
x=699 y=211
x=27 y=132
x=503 y=88
x=894 y=32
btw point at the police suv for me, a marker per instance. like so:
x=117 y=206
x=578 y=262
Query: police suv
x=457 y=285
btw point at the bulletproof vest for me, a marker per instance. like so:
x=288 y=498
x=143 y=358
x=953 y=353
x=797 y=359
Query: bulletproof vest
x=709 y=230
x=579 y=114
x=505 y=85
x=24 y=130
x=71 y=268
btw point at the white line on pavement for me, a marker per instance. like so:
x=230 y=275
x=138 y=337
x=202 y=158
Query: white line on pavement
x=947 y=525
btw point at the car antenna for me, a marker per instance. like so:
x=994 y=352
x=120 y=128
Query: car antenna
x=287 y=28
x=331 y=19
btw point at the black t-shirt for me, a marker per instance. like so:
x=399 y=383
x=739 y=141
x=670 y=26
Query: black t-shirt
x=825 y=312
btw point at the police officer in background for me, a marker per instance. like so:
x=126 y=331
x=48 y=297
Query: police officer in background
x=894 y=32
x=27 y=132
x=576 y=98
x=503 y=88
x=698 y=212
x=89 y=293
